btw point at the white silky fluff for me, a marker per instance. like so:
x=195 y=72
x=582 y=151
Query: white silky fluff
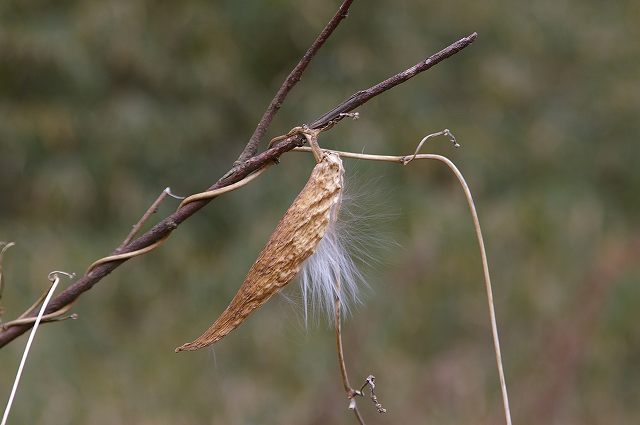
x=348 y=241
x=321 y=271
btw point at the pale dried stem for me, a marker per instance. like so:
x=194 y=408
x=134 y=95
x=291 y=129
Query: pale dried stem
x=55 y=279
x=126 y=255
x=351 y=393
x=150 y=211
x=210 y=194
x=404 y=160
x=343 y=367
x=50 y=317
x=358 y=416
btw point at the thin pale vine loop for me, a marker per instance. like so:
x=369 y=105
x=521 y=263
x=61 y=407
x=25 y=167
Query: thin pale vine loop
x=56 y=316
x=445 y=132
x=406 y=159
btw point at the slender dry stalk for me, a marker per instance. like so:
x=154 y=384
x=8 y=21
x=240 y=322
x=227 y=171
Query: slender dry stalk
x=56 y=316
x=350 y=392
x=150 y=211
x=404 y=160
x=55 y=279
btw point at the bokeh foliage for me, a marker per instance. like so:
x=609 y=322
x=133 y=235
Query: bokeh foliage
x=105 y=103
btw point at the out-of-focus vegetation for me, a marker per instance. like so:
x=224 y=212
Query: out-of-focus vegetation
x=105 y=103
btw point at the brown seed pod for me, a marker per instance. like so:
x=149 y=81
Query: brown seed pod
x=293 y=241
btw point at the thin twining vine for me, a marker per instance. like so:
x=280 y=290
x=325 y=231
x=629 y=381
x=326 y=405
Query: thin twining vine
x=351 y=392
x=405 y=160
x=23 y=319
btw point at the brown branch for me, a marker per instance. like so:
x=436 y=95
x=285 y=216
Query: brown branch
x=364 y=96
x=292 y=79
x=170 y=223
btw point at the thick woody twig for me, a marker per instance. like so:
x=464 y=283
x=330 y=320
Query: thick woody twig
x=364 y=96
x=170 y=223
x=292 y=79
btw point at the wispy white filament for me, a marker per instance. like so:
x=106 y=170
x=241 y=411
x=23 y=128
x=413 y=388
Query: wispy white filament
x=347 y=243
x=321 y=271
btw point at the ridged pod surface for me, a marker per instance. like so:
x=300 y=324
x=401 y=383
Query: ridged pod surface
x=292 y=242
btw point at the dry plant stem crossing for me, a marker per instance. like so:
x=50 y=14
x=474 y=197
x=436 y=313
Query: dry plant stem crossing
x=404 y=160
x=292 y=79
x=351 y=393
x=161 y=230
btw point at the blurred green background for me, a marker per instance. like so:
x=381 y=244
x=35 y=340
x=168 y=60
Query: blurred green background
x=105 y=103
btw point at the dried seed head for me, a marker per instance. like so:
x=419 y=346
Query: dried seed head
x=292 y=242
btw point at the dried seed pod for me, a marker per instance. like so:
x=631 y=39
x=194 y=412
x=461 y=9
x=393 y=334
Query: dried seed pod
x=292 y=242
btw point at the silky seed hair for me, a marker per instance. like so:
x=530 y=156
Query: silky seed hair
x=321 y=271
x=295 y=239
x=352 y=237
